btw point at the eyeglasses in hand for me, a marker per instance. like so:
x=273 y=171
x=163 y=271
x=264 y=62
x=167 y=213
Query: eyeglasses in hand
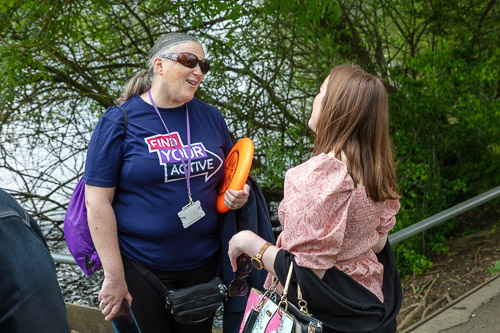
x=239 y=286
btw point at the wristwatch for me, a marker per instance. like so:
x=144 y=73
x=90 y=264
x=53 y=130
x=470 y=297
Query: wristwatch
x=256 y=261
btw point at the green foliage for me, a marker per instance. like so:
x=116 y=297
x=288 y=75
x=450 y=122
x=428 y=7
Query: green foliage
x=65 y=62
x=410 y=260
x=495 y=269
x=445 y=118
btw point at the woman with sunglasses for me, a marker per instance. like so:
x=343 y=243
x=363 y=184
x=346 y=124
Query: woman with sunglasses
x=151 y=192
x=337 y=211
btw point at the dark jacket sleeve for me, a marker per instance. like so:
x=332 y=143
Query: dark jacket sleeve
x=341 y=303
x=253 y=216
x=29 y=290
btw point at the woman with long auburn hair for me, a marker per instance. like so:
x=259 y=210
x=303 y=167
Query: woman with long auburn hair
x=354 y=122
x=337 y=211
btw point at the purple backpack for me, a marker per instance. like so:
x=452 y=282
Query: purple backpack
x=76 y=227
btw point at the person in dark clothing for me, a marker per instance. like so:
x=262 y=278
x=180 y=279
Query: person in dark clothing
x=31 y=297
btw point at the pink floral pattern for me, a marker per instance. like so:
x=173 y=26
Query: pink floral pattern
x=328 y=222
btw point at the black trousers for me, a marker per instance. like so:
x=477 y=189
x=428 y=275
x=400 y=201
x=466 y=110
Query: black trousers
x=149 y=306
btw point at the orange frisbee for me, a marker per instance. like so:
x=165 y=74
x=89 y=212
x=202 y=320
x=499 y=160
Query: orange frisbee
x=238 y=164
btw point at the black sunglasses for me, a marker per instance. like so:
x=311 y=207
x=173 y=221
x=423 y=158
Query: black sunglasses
x=238 y=286
x=189 y=60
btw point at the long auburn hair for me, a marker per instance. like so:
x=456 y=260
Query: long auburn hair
x=354 y=121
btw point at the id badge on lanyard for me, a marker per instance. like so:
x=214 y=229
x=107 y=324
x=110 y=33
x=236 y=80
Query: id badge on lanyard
x=192 y=212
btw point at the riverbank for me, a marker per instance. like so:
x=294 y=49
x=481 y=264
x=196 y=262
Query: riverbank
x=466 y=264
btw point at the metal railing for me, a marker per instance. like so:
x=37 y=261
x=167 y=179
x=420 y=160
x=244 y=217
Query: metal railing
x=63 y=258
x=445 y=215
x=398 y=236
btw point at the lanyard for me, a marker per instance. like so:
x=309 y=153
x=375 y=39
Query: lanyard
x=187 y=171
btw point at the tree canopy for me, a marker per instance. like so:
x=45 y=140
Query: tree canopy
x=64 y=62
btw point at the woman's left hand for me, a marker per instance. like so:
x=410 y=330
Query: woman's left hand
x=236 y=199
x=250 y=243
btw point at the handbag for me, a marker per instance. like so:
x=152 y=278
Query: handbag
x=76 y=227
x=190 y=305
x=271 y=312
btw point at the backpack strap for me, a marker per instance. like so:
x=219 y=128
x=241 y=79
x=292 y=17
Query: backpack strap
x=125 y=124
x=125 y=120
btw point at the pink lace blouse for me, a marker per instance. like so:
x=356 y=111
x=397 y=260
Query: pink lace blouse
x=328 y=222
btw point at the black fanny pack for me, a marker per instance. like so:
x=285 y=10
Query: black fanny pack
x=190 y=305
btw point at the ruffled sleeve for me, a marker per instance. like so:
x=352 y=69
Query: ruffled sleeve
x=314 y=211
x=388 y=216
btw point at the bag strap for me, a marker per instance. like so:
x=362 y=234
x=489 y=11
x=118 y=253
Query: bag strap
x=125 y=120
x=301 y=301
x=148 y=275
x=288 y=279
x=125 y=124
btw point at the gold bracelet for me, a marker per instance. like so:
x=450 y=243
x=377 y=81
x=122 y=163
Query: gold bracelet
x=256 y=261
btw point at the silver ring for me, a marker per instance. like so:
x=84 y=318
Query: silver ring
x=101 y=304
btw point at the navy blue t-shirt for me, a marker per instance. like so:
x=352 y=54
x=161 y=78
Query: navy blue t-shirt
x=150 y=183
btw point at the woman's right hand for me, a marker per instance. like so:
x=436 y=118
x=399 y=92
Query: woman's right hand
x=103 y=229
x=113 y=291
